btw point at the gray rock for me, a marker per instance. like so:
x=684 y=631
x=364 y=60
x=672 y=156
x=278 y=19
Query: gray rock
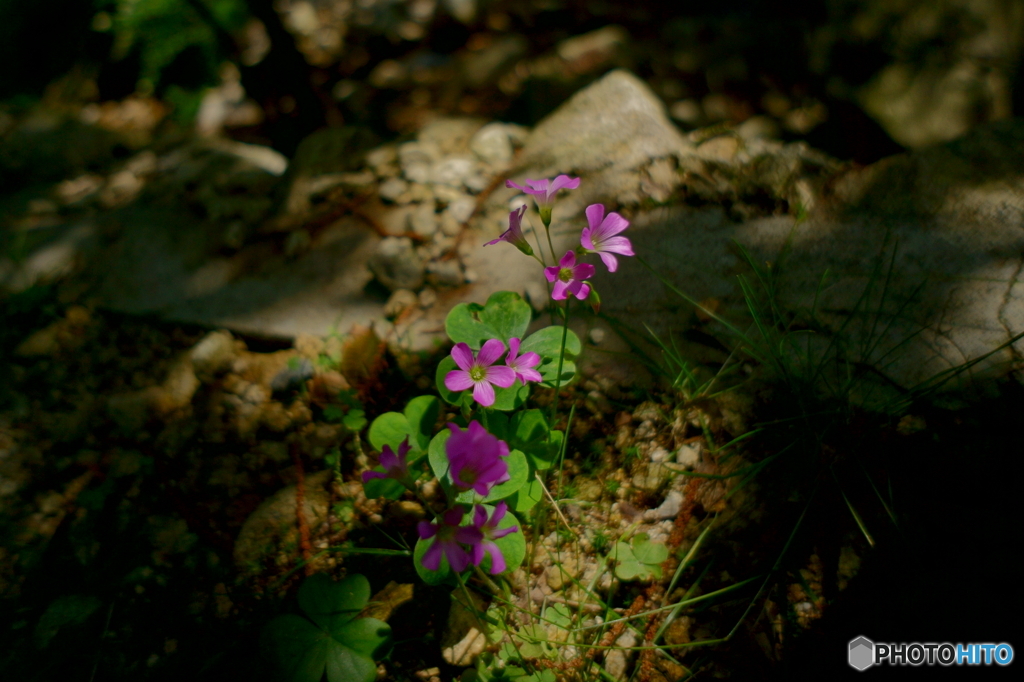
x=213 y=354
x=423 y=220
x=493 y=145
x=400 y=301
x=271 y=528
x=669 y=509
x=453 y=171
x=449 y=135
x=396 y=265
x=462 y=209
x=447 y=273
x=392 y=188
x=688 y=456
x=616 y=661
x=605 y=133
x=973 y=51
x=293 y=377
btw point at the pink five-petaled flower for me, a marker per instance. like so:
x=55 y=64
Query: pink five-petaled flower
x=523 y=364
x=568 y=277
x=447 y=538
x=395 y=466
x=514 y=234
x=600 y=237
x=477 y=373
x=544 y=191
x=489 y=532
x=476 y=459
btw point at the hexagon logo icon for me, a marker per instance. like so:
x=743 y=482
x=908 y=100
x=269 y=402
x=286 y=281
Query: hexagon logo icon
x=861 y=653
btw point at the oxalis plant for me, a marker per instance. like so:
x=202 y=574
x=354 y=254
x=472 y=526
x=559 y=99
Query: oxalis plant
x=489 y=460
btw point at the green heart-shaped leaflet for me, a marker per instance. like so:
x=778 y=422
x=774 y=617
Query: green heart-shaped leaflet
x=505 y=315
x=333 y=639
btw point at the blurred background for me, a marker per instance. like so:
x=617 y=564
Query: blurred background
x=859 y=79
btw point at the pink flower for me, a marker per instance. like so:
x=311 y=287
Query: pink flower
x=478 y=373
x=522 y=365
x=489 y=532
x=600 y=237
x=568 y=277
x=514 y=234
x=476 y=459
x=447 y=538
x=544 y=191
x=395 y=466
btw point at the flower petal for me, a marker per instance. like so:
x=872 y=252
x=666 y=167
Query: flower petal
x=558 y=292
x=585 y=240
x=462 y=354
x=432 y=557
x=513 y=350
x=501 y=376
x=563 y=182
x=609 y=261
x=595 y=214
x=491 y=351
x=388 y=458
x=618 y=245
x=499 y=239
x=483 y=393
x=479 y=516
x=568 y=260
x=453 y=516
x=499 y=533
x=583 y=292
x=611 y=225
x=539 y=186
x=426 y=529
x=497 y=558
x=457 y=380
x=368 y=475
x=583 y=271
x=527 y=360
x=574 y=287
x=469 y=535
x=527 y=374
x=511 y=185
x=551 y=274
x=499 y=512
x=458 y=558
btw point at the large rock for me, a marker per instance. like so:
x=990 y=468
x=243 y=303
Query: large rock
x=923 y=251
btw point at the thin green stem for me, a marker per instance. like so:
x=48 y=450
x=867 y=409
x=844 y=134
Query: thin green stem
x=558 y=376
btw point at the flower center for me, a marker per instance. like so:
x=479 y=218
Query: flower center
x=565 y=274
x=477 y=373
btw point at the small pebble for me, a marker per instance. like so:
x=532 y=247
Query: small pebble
x=596 y=336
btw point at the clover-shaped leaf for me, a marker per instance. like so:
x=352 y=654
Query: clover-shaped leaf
x=332 y=639
x=639 y=560
x=547 y=343
x=505 y=315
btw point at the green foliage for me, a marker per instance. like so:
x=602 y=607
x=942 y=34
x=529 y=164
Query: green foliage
x=639 y=560
x=547 y=343
x=330 y=638
x=166 y=33
x=354 y=417
x=505 y=315
x=416 y=422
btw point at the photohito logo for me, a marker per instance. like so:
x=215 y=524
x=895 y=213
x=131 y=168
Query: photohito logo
x=863 y=653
